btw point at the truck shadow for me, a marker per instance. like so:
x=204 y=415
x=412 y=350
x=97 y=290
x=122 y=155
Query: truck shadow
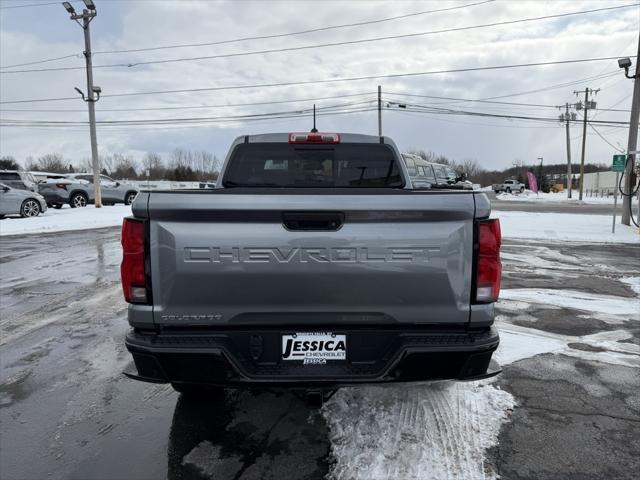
x=246 y=434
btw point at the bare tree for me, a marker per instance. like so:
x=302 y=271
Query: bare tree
x=124 y=167
x=470 y=167
x=154 y=165
x=52 y=162
x=85 y=165
x=30 y=164
x=181 y=158
x=106 y=164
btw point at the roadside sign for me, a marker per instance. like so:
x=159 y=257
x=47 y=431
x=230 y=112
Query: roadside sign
x=618 y=163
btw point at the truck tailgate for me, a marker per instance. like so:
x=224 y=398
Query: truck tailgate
x=226 y=258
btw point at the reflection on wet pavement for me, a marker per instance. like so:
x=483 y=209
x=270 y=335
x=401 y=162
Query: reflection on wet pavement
x=70 y=413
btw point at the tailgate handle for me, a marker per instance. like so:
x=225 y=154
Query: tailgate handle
x=313 y=221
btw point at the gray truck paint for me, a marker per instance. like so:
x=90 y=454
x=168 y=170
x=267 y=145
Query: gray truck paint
x=225 y=258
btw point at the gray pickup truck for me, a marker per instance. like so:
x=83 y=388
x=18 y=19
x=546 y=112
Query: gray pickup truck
x=313 y=264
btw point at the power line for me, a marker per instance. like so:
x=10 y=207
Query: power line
x=332 y=80
x=351 y=107
x=554 y=87
x=447 y=111
x=280 y=35
x=193 y=106
x=621 y=150
x=262 y=37
x=327 y=108
x=483 y=124
x=29 y=5
x=193 y=121
x=75 y=55
x=494 y=102
x=324 y=45
x=575 y=82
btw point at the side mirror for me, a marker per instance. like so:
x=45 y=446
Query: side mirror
x=117 y=184
x=5 y=189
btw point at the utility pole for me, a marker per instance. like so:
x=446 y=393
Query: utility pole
x=632 y=143
x=566 y=118
x=84 y=19
x=587 y=107
x=379 y=110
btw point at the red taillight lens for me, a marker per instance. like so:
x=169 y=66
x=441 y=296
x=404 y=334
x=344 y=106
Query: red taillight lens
x=314 y=138
x=132 y=266
x=489 y=268
x=61 y=185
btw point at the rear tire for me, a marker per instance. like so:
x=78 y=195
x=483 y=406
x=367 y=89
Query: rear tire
x=521 y=189
x=193 y=390
x=30 y=208
x=497 y=191
x=130 y=197
x=78 y=200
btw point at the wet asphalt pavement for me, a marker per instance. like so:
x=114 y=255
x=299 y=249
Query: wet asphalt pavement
x=67 y=412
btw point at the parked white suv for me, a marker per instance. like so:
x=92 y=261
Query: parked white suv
x=112 y=191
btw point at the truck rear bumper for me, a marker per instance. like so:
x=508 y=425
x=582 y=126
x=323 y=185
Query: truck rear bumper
x=236 y=358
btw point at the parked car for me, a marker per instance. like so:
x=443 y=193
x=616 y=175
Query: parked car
x=112 y=191
x=508 y=186
x=15 y=201
x=425 y=174
x=313 y=264
x=19 y=180
x=77 y=193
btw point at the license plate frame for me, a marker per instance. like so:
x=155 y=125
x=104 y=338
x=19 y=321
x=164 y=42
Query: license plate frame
x=313 y=348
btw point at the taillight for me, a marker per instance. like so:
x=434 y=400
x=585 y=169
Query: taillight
x=314 y=138
x=61 y=185
x=132 y=266
x=488 y=267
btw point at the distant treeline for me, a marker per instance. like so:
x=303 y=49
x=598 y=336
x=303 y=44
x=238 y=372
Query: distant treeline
x=181 y=165
x=188 y=165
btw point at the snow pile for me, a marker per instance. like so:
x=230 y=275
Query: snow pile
x=559 y=197
x=633 y=282
x=564 y=226
x=574 y=299
x=66 y=218
x=517 y=345
x=434 y=431
x=422 y=432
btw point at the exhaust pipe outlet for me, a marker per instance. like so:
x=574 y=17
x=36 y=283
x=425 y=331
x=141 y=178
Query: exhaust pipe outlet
x=314 y=398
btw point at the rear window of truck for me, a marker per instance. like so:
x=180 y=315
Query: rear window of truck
x=294 y=165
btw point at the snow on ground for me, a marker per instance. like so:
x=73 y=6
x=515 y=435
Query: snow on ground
x=633 y=282
x=65 y=219
x=574 y=299
x=443 y=429
x=416 y=432
x=559 y=197
x=564 y=226
x=433 y=431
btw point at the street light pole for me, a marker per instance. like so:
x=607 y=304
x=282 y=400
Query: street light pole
x=633 y=139
x=86 y=16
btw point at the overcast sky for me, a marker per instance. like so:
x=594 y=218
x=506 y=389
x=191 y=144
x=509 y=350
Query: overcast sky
x=31 y=34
